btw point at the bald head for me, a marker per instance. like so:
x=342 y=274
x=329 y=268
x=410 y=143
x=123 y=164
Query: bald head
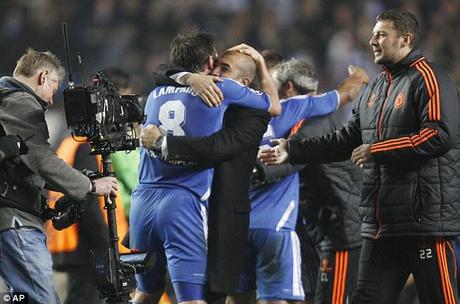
x=237 y=66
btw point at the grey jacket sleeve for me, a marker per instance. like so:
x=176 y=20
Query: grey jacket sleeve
x=21 y=114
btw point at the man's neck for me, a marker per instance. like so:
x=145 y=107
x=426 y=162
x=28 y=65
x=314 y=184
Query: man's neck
x=27 y=81
x=403 y=54
x=291 y=93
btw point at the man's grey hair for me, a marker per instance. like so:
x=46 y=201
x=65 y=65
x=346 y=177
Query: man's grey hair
x=300 y=73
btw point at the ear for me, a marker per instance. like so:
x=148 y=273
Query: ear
x=245 y=81
x=210 y=63
x=290 y=89
x=406 y=39
x=42 y=77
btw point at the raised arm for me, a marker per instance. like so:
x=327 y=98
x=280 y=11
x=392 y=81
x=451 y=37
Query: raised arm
x=267 y=83
x=350 y=87
x=203 y=85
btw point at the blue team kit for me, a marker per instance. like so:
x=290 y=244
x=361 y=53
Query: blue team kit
x=169 y=207
x=168 y=195
x=272 y=264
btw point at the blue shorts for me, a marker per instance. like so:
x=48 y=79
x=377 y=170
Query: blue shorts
x=173 y=224
x=272 y=266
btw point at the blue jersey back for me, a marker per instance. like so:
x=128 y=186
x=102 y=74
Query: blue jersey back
x=275 y=206
x=179 y=111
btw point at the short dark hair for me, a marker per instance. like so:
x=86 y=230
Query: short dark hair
x=119 y=78
x=272 y=58
x=404 y=22
x=191 y=50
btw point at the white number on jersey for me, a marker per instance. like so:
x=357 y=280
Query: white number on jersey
x=269 y=133
x=172 y=117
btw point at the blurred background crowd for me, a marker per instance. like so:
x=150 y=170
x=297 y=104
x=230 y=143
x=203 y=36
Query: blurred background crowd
x=135 y=34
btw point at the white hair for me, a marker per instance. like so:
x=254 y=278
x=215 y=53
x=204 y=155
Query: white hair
x=299 y=72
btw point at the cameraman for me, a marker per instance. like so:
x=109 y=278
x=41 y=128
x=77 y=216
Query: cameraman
x=26 y=263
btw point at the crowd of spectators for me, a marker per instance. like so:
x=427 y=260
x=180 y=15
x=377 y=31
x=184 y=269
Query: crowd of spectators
x=136 y=33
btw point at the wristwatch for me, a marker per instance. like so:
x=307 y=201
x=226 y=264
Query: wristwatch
x=157 y=144
x=93 y=187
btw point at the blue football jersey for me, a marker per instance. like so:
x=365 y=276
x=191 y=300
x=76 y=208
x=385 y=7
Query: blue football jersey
x=179 y=111
x=275 y=206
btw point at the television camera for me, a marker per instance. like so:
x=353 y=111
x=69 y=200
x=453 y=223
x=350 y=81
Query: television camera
x=100 y=114
x=107 y=120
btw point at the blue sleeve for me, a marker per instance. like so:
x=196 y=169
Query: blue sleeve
x=306 y=106
x=237 y=94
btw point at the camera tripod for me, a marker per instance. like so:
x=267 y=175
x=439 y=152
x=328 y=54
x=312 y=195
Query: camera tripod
x=113 y=281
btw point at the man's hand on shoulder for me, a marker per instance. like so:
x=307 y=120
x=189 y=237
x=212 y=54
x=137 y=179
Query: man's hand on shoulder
x=205 y=87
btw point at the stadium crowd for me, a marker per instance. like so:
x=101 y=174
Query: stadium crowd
x=331 y=34
x=345 y=44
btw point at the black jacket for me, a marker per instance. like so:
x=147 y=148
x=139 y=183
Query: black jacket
x=410 y=117
x=8 y=147
x=330 y=193
x=232 y=152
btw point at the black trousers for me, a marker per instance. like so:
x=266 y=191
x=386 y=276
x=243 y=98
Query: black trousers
x=338 y=274
x=386 y=263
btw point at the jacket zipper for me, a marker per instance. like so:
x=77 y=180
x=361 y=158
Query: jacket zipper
x=379 y=125
x=379 y=137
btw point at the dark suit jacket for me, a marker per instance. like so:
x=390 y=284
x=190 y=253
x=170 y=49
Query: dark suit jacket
x=232 y=152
